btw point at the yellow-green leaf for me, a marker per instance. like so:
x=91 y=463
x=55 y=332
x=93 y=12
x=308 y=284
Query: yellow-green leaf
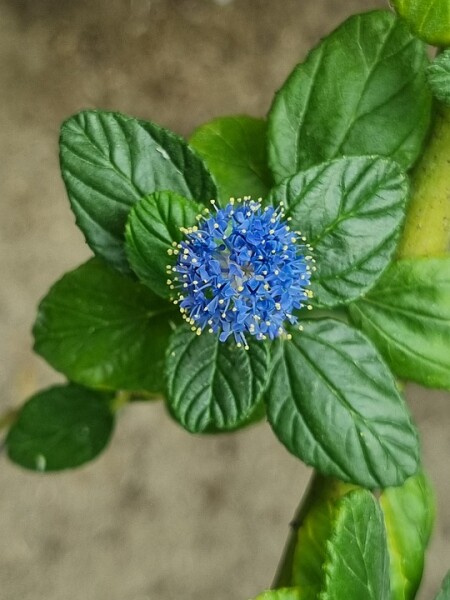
x=428 y=19
x=409 y=513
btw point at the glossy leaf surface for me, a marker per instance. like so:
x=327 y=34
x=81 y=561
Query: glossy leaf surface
x=407 y=316
x=104 y=330
x=334 y=404
x=234 y=149
x=357 y=564
x=409 y=512
x=60 y=428
x=109 y=161
x=213 y=385
x=361 y=91
x=351 y=211
x=312 y=527
x=152 y=227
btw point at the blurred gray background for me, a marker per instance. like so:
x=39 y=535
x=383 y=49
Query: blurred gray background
x=162 y=514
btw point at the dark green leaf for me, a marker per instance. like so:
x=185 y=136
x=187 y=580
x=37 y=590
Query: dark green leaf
x=351 y=211
x=333 y=403
x=361 y=91
x=104 y=330
x=357 y=564
x=60 y=428
x=281 y=594
x=409 y=513
x=438 y=74
x=109 y=161
x=256 y=415
x=153 y=225
x=407 y=316
x=428 y=19
x=444 y=593
x=234 y=149
x=213 y=385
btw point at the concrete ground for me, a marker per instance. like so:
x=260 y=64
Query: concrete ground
x=161 y=514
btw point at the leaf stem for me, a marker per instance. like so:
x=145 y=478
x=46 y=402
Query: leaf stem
x=121 y=398
x=124 y=397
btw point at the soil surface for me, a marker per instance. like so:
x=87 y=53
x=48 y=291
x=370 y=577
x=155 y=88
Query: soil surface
x=161 y=515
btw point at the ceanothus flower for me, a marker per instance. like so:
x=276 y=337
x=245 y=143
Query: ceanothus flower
x=241 y=271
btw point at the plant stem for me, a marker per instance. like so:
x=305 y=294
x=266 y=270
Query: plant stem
x=8 y=418
x=427 y=227
x=321 y=490
x=284 y=569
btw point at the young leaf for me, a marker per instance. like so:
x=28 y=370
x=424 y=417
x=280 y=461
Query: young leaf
x=104 y=330
x=407 y=316
x=153 y=225
x=444 y=593
x=333 y=403
x=109 y=161
x=409 y=513
x=428 y=19
x=234 y=149
x=213 y=385
x=357 y=564
x=282 y=594
x=351 y=211
x=438 y=74
x=60 y=428
x=361 y=91
x=306 y=552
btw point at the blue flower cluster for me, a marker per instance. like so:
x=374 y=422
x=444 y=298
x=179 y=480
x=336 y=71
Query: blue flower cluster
x=241 y=271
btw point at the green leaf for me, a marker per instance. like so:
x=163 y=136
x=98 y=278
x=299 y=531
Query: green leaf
x=153 y=225
x=351 y=211
x=213 y=385
x=444 y=593
x=407 y=316
x=307 y=548
x=234 y=149
x=281 y=594
x=361 y=91
x=409 y=513
x=109 y=161
x=104 y=330
x=60 y=428
x=312 y=537
x=428 y=19
x=255 y=416
x=333 y=403
x=357 y=564
x=438 y=74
